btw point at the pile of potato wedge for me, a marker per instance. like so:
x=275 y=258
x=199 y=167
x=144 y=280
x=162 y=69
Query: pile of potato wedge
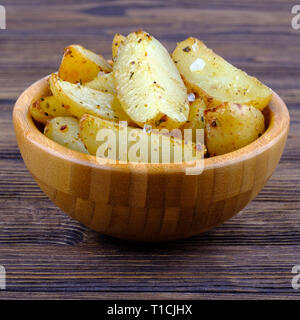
x=151 y=90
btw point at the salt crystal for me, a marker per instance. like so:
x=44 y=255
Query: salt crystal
x=195 y=46
x=191 y=97
x=197 y=65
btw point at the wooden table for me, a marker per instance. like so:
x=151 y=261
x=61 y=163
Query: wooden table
x=48 y=255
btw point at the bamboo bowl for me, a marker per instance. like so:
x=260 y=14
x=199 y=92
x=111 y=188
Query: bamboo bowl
x=147 y=202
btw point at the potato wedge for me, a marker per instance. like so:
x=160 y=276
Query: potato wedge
x=65 y=131
x=81 y=65
x=149 y=86
x=216 y=80
x=122 y=115
x=80 y=100
x=53 y=107
x=230 y=126
x=141 y=146
x=117 y=41
x=196 y=118
x=38 y=113
x=103 y=82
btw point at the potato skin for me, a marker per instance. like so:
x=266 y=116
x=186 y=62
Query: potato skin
x=149 y=86
x=65 y=131
x=53 y=107
x=214 y=79
x=230 y=126
x=81 y=65
x=38 y=113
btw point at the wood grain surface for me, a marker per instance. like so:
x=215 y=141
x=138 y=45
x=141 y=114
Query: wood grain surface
x=48 y=255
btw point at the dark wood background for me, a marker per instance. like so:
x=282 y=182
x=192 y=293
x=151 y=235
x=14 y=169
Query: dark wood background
x=48 y=255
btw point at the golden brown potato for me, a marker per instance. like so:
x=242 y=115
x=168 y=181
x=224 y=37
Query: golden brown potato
x=65 y=131
x=148 y=84
x=80 y=100
x=80 y=65
x=38 y=113
x=196 y=118
x=103 y=82
x=216 y=80
x=231 y=126
x=117 y=41
x=53 y=107
x=135 y=144
x=145 y=87
x=122 y=115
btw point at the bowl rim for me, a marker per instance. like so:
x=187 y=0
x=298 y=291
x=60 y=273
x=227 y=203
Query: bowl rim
x=278 y=125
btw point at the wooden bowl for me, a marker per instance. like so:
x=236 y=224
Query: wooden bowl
x=147 y=202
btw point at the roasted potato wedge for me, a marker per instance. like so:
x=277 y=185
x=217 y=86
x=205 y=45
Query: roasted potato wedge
x=170 y=97
x=80 y=100
x=53 y=107
x=117 y=41
x=140 y=144
x=148 y=84
x=122 y=115
x=38 y=113
x=103 y=82
x=81 y=65
x=216 y=80
x=65 y=131
x=231 y=126
x=196 y=118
